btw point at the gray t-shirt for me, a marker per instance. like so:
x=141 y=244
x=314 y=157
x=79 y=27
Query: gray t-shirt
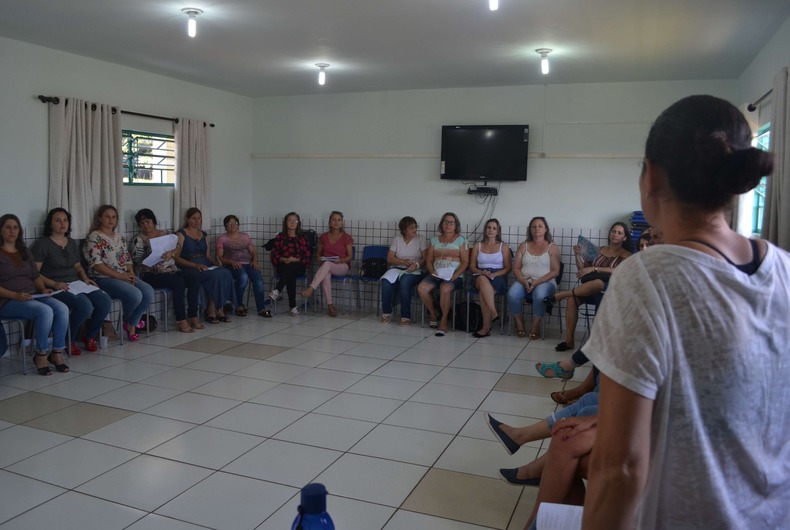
x=709 y=345
x=57 y=263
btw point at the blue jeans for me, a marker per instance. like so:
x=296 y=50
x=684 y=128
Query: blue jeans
x=135 y=299
x=47 y=314
x=517 y=292
x=242 y=277
x=95 y=305
x=404 y=287
x=587 y=405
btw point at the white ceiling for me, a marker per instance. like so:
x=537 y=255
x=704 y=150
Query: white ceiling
x=269 y=47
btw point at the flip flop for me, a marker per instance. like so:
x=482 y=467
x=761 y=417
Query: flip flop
x=559 y=398
x=439 y=333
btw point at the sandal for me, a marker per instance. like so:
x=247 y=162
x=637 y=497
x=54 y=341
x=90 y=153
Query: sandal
x=195 y=323
x=308 y=292
x=241 y=311
x=533 y=336
x=222 y=318
x=521 y=333
x=131 y=332
x=42 y=370
x=265 y=313
x=212 y=319
x=184 y=327
x=405 y=322
x=385 y=319
x=563 y=346
x=331 y=311
x=560 y=399
x=557 y=370
x=62 y=367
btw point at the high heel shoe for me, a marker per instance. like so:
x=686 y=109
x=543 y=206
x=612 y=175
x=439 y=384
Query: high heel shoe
x=549 y=302
x=42 y=370
x=62 y=367
x=131 y=332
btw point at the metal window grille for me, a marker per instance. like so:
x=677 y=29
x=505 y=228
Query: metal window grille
x=148 y=159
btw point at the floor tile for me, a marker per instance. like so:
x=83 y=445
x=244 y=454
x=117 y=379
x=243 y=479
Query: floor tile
x=20 y=442
x=181 y=378
x=489 y=457
x=345 y=513
x=519 y=404
x=172 y=357
x=33 y=381
x=72 y=463
x=278 y=372
x=437 y=418
x=207 y=447
x=359 y=407
x=239 y=335
x=386 y=351
x=353 y=363
x=83 y=387
x=295 y=397
x=260 y=420
x=140 y=432
x=145 y=483
x=326 y=379
x=450 y=395
x=25 y=407
x=438 y=358
x=464 y=377
x=131 y=371
x=483 y=501
x=208 y=345
x=412 y=371
x=396 y=340
x=282 y=340
x=252 y=350
x=158 y=522
x=326 y=431
x=73 y=510
x=302 y=357
x=388 y=387
x=79 y=419
x=235 y=387
x=403 y=444
x=283 y=462
x=354 y=335
x=90 y=363
x=329 y=345
x=135 y=397
x=228 y=501
x=405 y=520
x=191 y=407
x=360 y=477
x=482 y=362
x=27 y=493
x=526 y=384
x=494 y=350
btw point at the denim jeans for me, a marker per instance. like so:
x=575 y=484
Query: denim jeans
x=95 y=305
x=242 y=277
x=134 y=298
x=47 y=314
x=404 y=286
x=517 y=292
x=587 y=405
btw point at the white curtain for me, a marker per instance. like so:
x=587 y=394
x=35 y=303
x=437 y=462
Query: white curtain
x=85 y=160
x=776 y=219
x=193 y=179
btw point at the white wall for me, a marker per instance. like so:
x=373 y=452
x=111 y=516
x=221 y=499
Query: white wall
x=758 y=78
x=27 y=70
x=592 y=134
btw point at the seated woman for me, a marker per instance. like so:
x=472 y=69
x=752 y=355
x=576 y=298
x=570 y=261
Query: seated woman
x=537 y=267
x=594 y=276
x=193 y=258
x=491 y=263
x=290 y=255
x=165 y=274
x=334 y=255
x=644 y=240
x=446 y=260
x=111 y=268
x=57 y=257
x=406 y=253
x=236 y=251
x=19 y=280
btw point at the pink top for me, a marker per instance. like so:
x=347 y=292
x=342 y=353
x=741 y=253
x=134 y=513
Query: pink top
x=338 y=248
x=235 y=249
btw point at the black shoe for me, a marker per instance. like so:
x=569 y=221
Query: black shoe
x=549 y=303
x=509 y=476
x=480 y=335
x=507 y=442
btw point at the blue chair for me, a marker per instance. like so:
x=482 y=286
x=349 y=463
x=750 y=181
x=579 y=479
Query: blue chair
x=370 y=252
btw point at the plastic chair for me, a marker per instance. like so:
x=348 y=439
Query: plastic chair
x=370 y=252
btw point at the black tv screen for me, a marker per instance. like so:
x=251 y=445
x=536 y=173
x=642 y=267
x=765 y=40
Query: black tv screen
x=491 y=152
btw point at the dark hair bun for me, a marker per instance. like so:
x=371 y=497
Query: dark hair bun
x=742 y=170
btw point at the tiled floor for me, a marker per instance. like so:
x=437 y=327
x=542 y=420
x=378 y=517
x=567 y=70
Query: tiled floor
x=220 y=429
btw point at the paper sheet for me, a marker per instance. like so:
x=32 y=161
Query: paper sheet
x=80 y=287
x=392 y=274
x=160 y=245
x=559 y=516
x=44 y=295
x=445 y=273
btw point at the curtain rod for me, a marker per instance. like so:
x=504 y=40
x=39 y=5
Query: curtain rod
x=56 y=100
x=753 y=106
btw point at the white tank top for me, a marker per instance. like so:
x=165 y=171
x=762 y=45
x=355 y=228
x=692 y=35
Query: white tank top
x=536 y=266
x=493 y=261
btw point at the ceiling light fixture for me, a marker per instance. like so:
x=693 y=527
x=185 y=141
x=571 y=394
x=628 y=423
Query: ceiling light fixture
x=192 y=12
x=544 y=59
x=493 y=5
x=322 y=72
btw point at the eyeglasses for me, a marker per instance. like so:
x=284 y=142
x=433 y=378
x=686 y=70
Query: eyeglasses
x=449 y=222
x=234 y=223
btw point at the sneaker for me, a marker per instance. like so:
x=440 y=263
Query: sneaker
x=275 y=295
x=294 y=312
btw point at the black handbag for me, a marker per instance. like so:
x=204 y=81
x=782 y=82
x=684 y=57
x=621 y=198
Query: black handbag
x=590 y=276
x=374 y=267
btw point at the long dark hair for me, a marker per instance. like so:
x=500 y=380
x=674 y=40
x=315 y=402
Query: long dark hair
x=704 y=145
x=19 y=244
x=48 y=221
x=298 y=223
x=627 y=242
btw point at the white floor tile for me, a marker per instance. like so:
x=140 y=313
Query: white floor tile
x=21 y=442
x=372 y=479
x=329 y=345
x=438 y=358
x=482 y=362
x=326 y=379
x=235 y=387
x=518 y=404
x=22 y=493
x=489 y=457
x=207 y=447
x=229 y=502
x=326 y=431
x=388 y=387
x=259 y=420
x=131 y=371
x=157 y=522
x=172 y=357
x=295 y=397
x=403 y=520
x=135 y=397
x=74 y=511
x=302 y=357
x=412 y=371
x=181 y=378
x=223 y=364
x=191 y=407
x=353 y=335
x=90 y=362
x=359 y=407
x=464 y=377
x=402 y=444
x=384 y=351
x=450 y=395
x=140 y=432
x=283 y=462
x=83 y=387
x=353 y=363
x=399 y=340
x=282 y=339
x=145 y=483
x=278 y=372
x=430 y=417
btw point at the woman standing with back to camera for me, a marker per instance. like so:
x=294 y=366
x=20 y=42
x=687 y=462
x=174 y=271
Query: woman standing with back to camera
x=687 y=436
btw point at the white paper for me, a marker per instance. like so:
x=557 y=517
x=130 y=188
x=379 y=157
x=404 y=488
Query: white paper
x=559 y=516
x=160 y=245
x=80 y=287
x=44 y=295
x=445 y=273
x=392 y=274
x=330 y=258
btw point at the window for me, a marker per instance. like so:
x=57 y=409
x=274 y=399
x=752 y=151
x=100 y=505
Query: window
x=148 y=159
x=761 y=141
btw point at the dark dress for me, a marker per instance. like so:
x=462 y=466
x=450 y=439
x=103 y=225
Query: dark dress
x=218 y=282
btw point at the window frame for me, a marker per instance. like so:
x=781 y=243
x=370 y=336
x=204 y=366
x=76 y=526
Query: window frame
x=127 y=157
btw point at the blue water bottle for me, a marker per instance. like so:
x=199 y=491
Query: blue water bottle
x=312 y=510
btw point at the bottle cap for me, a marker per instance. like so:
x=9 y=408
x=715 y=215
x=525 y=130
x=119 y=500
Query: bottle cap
x=314 y=498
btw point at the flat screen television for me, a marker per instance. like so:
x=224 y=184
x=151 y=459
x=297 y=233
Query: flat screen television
x=490 y=152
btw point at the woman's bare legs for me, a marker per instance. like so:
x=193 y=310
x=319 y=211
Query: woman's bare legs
x=529 y=433
x=446 y=302
x=487 y=303
x=424 y=289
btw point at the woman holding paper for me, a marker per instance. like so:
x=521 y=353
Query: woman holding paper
x=335 y=248
x=194 y=259
x=19 y=282
x=57 y=257
x=446 y=260
x=111 y=268
x=491 y=263
x=406 y=257
x=164 y=274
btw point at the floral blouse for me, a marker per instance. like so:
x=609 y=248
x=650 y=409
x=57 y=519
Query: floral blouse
x=141 y=249
x=290 y=247
x=109 y=250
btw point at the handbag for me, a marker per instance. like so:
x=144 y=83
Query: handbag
x=374 y=267
x=590 y=276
